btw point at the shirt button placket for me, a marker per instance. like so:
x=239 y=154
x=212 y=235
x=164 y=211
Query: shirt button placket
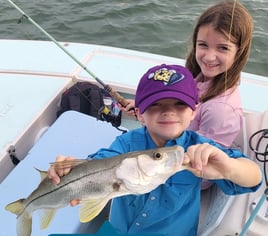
x=144 y=214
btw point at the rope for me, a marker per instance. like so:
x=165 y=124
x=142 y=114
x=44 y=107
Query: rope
x=261 y=157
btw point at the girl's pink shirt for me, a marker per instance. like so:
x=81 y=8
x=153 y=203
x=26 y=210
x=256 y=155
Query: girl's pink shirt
x=219 y=118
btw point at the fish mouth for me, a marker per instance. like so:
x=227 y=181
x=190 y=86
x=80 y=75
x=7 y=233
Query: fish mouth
x=171 y=163
x=179 y=155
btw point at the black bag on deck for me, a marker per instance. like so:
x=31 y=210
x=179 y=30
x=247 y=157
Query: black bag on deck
x=89 y=99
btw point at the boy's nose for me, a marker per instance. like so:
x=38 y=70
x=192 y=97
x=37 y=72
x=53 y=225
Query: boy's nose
x=168 y=109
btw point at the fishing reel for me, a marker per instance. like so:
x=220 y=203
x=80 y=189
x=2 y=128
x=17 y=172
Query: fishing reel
x=106 y=114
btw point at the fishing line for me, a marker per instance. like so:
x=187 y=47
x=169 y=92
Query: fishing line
x=229 y=40
x=106 y=87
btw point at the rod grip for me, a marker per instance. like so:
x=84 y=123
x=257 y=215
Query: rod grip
x=116 y=96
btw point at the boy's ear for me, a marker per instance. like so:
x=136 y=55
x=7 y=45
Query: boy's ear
x=139 y=115
x=194 y=112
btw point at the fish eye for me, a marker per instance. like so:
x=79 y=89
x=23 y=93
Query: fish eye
x=157 y=155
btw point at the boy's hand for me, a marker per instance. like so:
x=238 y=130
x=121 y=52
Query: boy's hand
x=130 y=108
x=208 y=161
x=55 y=173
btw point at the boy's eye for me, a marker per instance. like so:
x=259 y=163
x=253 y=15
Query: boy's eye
x=154 y=104
x=181 y=104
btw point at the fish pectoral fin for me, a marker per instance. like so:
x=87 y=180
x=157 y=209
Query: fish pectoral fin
x=47 y=216
x=91 y=208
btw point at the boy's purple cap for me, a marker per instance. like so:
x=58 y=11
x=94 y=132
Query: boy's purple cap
x=166 y=81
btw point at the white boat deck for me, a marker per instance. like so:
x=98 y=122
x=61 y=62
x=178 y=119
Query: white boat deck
x=82 y=135
x=24 y=100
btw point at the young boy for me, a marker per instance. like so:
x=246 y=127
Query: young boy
x=166 y=100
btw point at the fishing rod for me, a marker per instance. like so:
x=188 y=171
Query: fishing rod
x=106 y=87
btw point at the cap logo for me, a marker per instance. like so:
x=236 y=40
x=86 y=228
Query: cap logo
x=169 y=77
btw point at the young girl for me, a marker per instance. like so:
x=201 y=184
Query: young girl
x=220 y=49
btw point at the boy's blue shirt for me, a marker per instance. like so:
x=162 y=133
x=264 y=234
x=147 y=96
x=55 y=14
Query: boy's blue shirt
x=172 y=208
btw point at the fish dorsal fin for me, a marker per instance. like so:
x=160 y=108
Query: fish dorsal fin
x=46 y=217
x=91 y=208
x=42 y=173
x=68 y=163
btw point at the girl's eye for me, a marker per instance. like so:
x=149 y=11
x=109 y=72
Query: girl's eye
x=202 y=45
x=224 y=48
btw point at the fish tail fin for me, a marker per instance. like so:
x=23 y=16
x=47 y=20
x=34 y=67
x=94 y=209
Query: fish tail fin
x=24 y=219
x=24 y=224
x=46 y=218
x=16 y=207
x=91 y=208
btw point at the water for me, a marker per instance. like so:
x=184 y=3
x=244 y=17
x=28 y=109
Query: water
x=157 y=26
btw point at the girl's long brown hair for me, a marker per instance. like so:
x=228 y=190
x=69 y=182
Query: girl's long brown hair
x=234 y=21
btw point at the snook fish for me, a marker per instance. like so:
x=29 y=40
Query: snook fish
x=95 y=182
